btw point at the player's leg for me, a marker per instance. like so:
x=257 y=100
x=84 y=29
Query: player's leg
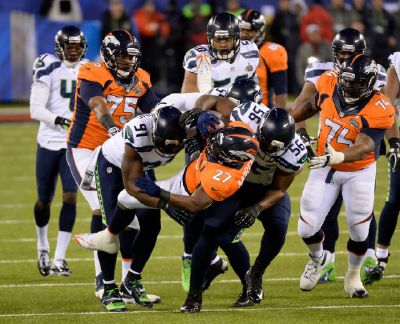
x=67 y=218
x=46 y=179
x=358 y=196
x=388 y=220
x=331 y=231
x=319 y=194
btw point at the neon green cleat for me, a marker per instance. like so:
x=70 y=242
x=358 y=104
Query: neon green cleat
x=328 y=273
x=186 y=269
x=370 y=271
x=112 y=301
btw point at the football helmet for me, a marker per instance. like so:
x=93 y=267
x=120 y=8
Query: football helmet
x=70 y=44
x=356 y=80
x=232 y=145
x=348 y=41
x=277 y=130
x=223 y=36
x=121 y=53
x=252 y=26
x=168 y=135
x=244 y=90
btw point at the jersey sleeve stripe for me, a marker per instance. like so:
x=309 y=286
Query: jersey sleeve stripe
x=48 y=70
x=314 y=73
x=250 y=54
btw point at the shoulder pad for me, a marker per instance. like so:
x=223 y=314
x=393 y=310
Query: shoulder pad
x=44 y=65
x=189 y=61
x=315 y=70
x=293 y=158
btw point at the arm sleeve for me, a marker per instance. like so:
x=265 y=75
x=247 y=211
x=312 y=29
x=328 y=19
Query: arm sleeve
x=279 y=82
x=377 y=135
x=89 y=90
x=40 y=93
x=148 y=101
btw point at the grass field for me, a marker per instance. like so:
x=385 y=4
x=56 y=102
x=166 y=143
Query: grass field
x=26 y=296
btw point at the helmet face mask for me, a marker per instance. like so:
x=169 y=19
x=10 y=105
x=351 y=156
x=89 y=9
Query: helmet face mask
x=70 y=44
x=346 y=43
x=223 y=35
x=121 y=53
x=252 y=26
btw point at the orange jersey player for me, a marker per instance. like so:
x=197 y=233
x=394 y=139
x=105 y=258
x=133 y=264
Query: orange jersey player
x=273 y=64
x=353 y=121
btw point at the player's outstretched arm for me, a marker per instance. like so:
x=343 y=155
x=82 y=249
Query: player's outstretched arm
x=189 y=82
x=308 y=91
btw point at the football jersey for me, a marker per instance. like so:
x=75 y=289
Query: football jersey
x=85 y=131
x=181 y=101
x=273 y=58
x=340 y=127
x=290 y=159
x=136 y=133
x=316 y=69
x=224 y=73
x=61 y=81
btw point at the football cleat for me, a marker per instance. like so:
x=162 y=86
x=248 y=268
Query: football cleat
x=354 y=287
x=186 y=270
x=382 y=262
x=99 y=286
x=243 y=299
x=60 y=268
x=112 y=301
x=44 y=262
x=328 y=273
x=219 y=267
x=100 y=241
x=370 y=271
x=254 y=285
x=193 y=303
x=312 y=271
x=133 y=292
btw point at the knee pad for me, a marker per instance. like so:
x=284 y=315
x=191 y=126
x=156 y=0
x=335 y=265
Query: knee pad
x=316 y=238
x=358 y=248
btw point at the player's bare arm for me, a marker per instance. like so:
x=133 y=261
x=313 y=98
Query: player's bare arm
x=303 y=99
x=222 y=105
x=281 y=100
x=306 y=110
x=363 y=145
x=189 y=82
x=198 y=201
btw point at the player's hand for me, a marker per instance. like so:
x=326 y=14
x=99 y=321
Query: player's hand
x=148 y=186
x=307 y=141
x=246 y=217
x=178 y=215
x=189 y=118
x=394 y=154
x=63 y=122
x=192 y=146
x=112 y=131
x=330 y=157
x=207 y=123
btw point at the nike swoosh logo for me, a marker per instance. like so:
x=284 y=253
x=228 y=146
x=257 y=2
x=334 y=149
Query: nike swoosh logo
x=212 y=188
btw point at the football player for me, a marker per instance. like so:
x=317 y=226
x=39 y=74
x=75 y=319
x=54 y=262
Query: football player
x=353 y=121
x=272 y=69
x=346 y=43
x=231 y=58
x=390 y=212
x=51 y=102
x=147 y=141
x=109 y=94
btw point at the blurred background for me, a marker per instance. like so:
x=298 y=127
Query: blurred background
x=168 y=28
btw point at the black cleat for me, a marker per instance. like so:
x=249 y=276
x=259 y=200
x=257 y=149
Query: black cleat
x=112 y=301
x=99 y=284
x=254 y=285
x=219 y=267
x=60 y=269
x=359 y=293
x=193 y=303
x=243 y=299
x=132 y=291
x=44 y=262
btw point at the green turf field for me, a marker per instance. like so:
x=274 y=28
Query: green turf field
x=26 y=296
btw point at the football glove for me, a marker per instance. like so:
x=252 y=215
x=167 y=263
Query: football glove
x=63 y=122
x=207 y=121
x=246 y=217
x=112 y=131
x=307 y=141
x=394 y=154
x=189 y=118
x=149 y=187
x=192 y=145
x=178 y=215
x=330 y=157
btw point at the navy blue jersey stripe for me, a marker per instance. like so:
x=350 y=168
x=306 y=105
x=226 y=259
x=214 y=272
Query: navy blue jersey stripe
x=48 y=70
x=80 y=123
x=250 y=54
x=315 y=73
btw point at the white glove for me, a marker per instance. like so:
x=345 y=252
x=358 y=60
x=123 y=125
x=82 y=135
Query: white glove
x=330 y=157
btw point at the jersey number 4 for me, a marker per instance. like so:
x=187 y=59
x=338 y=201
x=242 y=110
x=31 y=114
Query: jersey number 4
x=64 y=87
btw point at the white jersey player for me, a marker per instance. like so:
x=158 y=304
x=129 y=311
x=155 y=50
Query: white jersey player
x=51 y=103
x=230 y=58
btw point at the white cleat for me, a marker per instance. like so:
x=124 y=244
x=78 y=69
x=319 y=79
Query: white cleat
x=100 y=241
x=354 y=287
x=312 y=271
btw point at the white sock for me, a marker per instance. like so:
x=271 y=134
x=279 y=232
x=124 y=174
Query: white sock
x=126 y=265
x=316 y=249
x=215 y=260
x=382 y=253
x=42 y=241
x=355 y=260
x=187 y=255
x=97 y=267
x=370 y=253
x=62 y=244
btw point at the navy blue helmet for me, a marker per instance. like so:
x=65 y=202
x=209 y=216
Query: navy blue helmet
x=253 y=20
x=244 y=90
x=347 y=41
x=70 y=35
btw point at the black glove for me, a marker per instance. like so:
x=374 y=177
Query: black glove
x=247 y=216
x=63 y=122
x=178 y=215
x=192 y=145
x=307 y=141
x=189 y=118
x=112 y=131
x=394 y=154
